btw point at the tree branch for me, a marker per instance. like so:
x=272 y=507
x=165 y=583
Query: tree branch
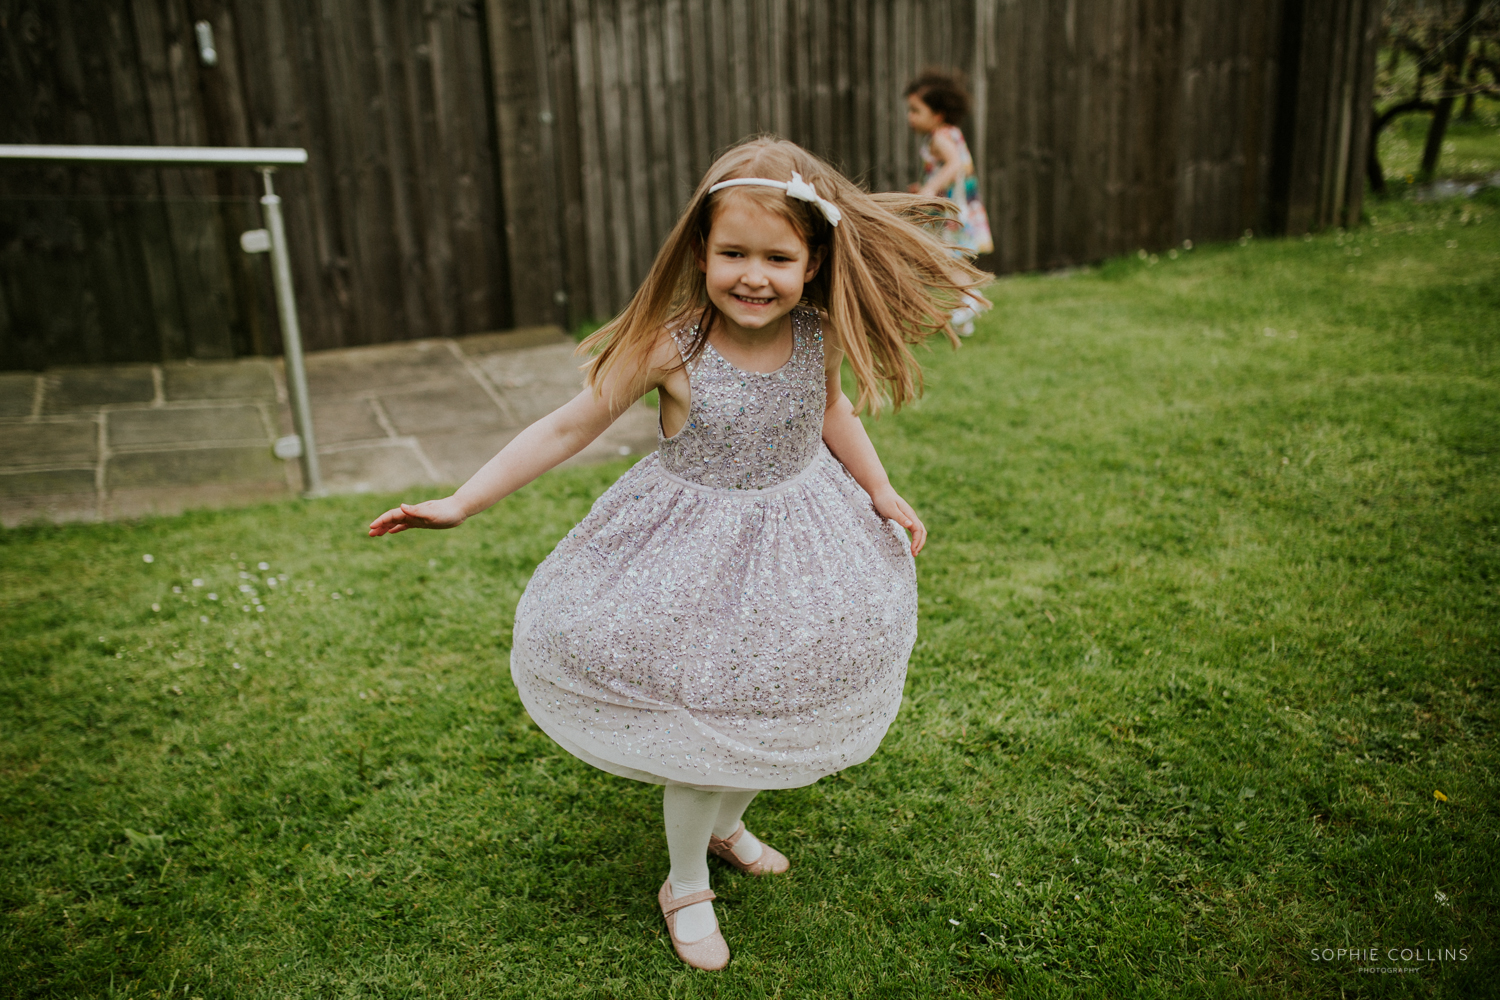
x=1405 y=107
x=1372 y=160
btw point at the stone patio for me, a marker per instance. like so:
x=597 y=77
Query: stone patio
x=131 y=440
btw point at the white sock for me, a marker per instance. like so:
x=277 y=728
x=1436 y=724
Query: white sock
x=731 y=807
x=963 y=317
x=690 y=816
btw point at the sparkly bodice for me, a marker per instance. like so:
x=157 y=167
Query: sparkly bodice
x=750 y=430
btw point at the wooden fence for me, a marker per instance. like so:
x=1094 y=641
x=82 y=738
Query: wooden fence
x=396 y=230
x=485 y=163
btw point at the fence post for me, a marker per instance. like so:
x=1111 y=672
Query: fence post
x=291 y=337
x=524 y=121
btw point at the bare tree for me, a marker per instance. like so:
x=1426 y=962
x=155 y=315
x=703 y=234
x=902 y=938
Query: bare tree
x=1447 y=39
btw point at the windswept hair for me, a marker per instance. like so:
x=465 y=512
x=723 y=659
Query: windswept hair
x=945 y=92
x=887 y=281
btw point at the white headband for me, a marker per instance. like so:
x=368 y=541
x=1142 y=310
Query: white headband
x=794 y=188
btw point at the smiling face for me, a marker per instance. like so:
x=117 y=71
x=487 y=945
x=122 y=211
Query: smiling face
x=755 y=265
x=920 y=117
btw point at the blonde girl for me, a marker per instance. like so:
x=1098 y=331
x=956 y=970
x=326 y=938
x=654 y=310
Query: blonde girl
x=735 y=614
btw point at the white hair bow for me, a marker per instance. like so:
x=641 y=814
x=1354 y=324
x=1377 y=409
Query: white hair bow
x=794 y=188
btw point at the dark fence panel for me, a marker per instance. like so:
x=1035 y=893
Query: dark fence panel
x=658 y=89
x=395 y=228
x=482 y=163
x=1323 y=113
x=109 y=263
x=1100 y=126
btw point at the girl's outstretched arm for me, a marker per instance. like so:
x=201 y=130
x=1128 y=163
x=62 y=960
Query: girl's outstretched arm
x=553 y=439
x=547 y=443
x=846 y=438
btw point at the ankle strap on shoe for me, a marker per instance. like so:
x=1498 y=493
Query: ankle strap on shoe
x=729 y=841
x=692 y=898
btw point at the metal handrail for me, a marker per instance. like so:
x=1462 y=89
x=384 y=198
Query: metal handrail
x=161 y=156
x=272 y=238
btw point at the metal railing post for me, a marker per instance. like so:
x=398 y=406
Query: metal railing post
x=272 y=238
x=291 y=338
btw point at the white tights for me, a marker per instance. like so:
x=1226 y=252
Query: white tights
x=691 y=818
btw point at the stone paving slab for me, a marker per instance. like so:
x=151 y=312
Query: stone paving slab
x=457 y=456
x=17 y=393
x=55 y=443
x=454 y=406
x=247 y=464
x=478 y=344
x=250 y=378
x=134 y=440
x=550 y=365
x=537 y=380
x=382 y=467
x=134 y=429
x=363 y=371
x=47 y=483
x=339 y=421
x=74 y=390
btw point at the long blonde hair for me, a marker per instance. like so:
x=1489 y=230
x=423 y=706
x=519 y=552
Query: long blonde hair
x=887 y=281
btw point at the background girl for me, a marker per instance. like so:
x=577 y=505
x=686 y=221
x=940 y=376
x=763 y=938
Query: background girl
x=936 y=102
x=736 y=612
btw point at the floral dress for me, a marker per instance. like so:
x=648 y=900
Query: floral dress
x=973 y=229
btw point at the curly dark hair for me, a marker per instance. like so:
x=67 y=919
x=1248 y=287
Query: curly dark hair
x=943 y=91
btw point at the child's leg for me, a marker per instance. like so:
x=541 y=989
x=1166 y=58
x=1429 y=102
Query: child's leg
x=963 y=317
x=732 y=806
x=690 y=816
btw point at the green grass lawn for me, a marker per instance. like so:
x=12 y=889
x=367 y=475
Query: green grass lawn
x=1210 y=615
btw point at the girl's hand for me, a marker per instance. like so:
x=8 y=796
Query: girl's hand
x=888 y=504
x=444 y=513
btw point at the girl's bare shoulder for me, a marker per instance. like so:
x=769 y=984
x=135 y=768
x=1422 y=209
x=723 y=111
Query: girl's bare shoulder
x=664 y=362
x=650 y=365
x=665 y=354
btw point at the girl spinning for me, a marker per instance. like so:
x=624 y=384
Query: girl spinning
x=735 y=614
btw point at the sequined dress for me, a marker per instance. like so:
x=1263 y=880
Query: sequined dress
x=732 y=613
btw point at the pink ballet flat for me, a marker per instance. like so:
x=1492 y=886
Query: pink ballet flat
x=709 y=954
x=770 y=862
